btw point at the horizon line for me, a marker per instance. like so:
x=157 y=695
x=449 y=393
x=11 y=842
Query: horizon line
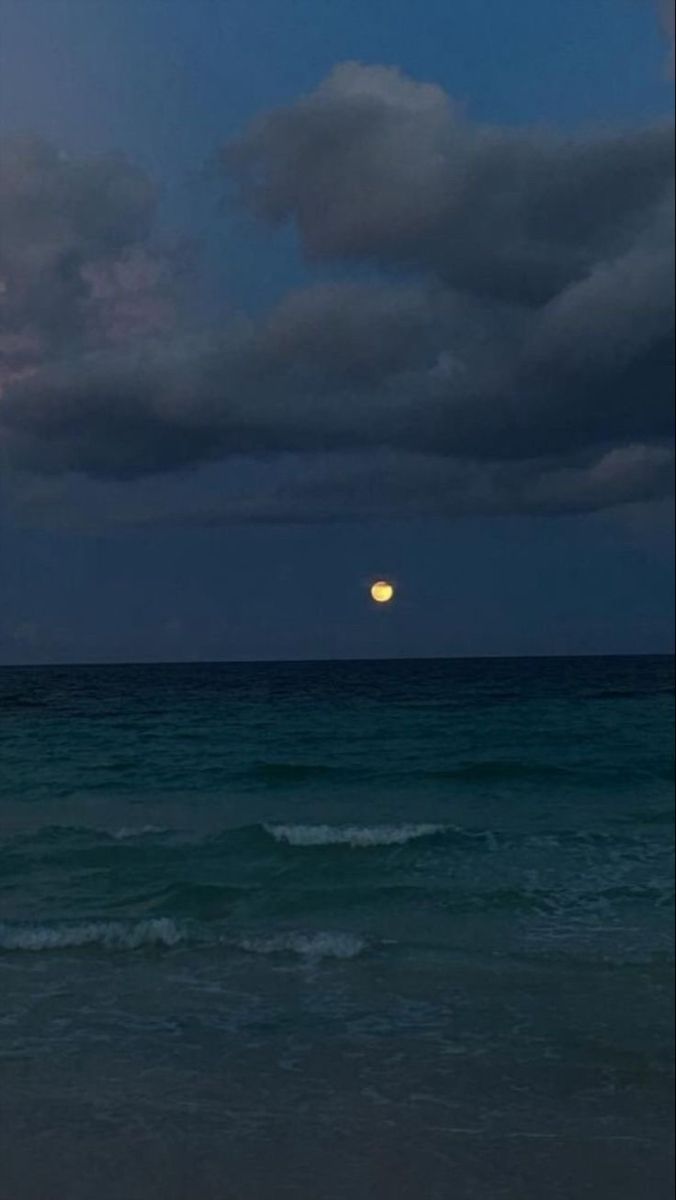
x=272 y=662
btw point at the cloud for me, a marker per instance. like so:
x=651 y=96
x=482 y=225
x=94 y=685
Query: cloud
x=668 y=19
x=346 y=486
x=78 y=266
x=373 y=166
x=408 y=486
x=516 y=353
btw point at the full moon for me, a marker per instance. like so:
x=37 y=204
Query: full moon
x=382 y=591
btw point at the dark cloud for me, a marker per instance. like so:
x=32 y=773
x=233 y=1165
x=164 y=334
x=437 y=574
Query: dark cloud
x=666 y=11
x=78 y=266
x=351 y=368
x=352 y=486
x=517 y=354
x=384 y=485
x=373 y=166
x=64 y=227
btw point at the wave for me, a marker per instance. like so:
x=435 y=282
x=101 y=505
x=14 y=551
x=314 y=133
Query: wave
x=474 y=770
x=289 y=772
x=499 y=769
x=129 y=832
x=201 y=900
x=17 y=701
x=110 y=935
x=162 y=932
x=245 y=839
x=310 y=946
x=640 y=693
x=659 y=816
x=355 y=836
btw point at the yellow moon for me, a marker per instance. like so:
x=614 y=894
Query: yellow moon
x=382 y=591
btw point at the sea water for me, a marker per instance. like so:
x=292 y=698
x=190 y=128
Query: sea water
x=336 y=931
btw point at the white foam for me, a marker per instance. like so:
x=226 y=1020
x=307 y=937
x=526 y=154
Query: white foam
x=356 y=836
x=111 y=935
x=131 y=831
x=307 y=945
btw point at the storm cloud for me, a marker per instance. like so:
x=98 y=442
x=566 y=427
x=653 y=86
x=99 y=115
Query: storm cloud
x=514 y=354
x=373 y=166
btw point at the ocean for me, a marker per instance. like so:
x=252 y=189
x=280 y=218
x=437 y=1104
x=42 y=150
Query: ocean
x=337 y=931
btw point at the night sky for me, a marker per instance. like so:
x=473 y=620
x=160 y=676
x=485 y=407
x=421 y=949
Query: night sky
x=297 y=294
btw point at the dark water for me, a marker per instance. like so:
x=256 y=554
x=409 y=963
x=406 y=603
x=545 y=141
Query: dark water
x=396 y=931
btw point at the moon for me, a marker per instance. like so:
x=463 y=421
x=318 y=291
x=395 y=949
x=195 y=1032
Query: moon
x=382 y=591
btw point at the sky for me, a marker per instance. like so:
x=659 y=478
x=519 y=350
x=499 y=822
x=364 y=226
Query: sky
x=294 y=295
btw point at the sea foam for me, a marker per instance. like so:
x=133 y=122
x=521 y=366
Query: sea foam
x=127 y=832
x=110 y=935
x=307 y=945
x=356 y=836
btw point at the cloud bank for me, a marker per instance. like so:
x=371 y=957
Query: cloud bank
x=668 y=18
x=514 y=355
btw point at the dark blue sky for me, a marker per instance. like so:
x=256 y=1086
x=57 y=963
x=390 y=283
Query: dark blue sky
x=105 y=565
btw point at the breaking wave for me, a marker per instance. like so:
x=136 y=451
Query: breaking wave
x=356 y=836
x=129 y=832
x=110 y=935
x=306 y=945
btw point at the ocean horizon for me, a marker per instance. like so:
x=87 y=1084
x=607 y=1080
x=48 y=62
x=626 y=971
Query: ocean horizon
x=329 y=658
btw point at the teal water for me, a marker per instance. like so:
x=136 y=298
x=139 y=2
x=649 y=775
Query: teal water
x=384 y=930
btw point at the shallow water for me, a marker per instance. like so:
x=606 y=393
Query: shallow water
x=386 y=930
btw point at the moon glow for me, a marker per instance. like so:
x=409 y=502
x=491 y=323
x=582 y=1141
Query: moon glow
x=382 y=591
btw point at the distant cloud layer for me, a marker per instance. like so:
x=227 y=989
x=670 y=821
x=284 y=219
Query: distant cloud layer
x=667 y=14
x=515 y=355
